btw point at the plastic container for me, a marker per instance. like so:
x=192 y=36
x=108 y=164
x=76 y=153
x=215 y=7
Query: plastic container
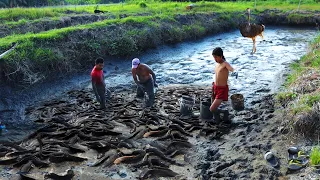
x=237 y=102
x=186 y=105
x=205 y=112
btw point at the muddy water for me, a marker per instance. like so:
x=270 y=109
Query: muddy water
x=186 y=63
x=192 y=63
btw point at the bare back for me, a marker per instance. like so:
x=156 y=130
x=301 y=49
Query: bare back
x=222 y=74
x=143 y=72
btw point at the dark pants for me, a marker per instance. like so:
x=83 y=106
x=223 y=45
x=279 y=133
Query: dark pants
x=147 y=87
x=100 y=92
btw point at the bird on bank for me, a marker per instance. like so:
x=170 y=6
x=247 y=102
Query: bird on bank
x=98 y=11
x=251 y=30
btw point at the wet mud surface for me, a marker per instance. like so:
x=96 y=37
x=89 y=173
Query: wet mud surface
x=227 y=151
x=127 y=141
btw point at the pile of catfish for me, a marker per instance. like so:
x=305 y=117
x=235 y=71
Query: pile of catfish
x=147 y=139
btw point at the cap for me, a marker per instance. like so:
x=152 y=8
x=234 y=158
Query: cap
x=135 y=62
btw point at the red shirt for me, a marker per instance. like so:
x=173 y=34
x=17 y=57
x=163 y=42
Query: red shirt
x=97 y=75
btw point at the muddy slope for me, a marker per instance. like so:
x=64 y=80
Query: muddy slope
x=74 y=50
x=48 y=24
x=291 y=18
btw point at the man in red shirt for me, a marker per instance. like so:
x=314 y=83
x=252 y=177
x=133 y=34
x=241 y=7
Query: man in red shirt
x=98 y=84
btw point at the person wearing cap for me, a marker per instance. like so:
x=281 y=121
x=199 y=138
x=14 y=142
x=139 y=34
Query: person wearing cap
x=145 y=79
x=220 y=87
x=98 y=84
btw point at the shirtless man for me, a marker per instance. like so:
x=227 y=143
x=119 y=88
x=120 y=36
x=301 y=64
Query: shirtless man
x=145 y=79
x=220 y=87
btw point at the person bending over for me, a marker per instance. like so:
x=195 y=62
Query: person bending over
x=145 y=79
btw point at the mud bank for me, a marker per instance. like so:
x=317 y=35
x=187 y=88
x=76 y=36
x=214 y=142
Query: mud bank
x=73 y=51
x=48 y=24
x=290 y=18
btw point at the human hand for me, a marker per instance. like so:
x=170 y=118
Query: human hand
x=235 y=74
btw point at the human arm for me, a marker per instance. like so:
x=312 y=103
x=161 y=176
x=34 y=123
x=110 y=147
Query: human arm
x=134 y=75
x=153 y=76
x=102 y=80
x=230 y=68
x=154 y=79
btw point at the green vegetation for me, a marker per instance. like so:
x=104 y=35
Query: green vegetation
x=153 y=7
x=304 y=103
x=285 y=97
x=308 y=62
x=315 y=156
x=302 y=95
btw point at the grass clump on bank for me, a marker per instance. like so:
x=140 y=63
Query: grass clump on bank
x=302 y=96
x=315 y=155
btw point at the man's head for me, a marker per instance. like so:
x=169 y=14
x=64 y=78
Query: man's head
x=217 y=53
x=99 y=63
x=135 y=63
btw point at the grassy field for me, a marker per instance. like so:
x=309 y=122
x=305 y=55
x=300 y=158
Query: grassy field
x=15 y=16
x=153 y=8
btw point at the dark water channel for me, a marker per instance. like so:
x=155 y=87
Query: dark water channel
x=185 y=63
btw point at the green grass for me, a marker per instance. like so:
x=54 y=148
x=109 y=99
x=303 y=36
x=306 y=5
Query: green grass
x=307 y=62
x=134 y=7
x=59 y=33
x=164 y=10
x=310 y=99
x=315 y=156
x=303 y=102
x=297 y=71
x=286 y=96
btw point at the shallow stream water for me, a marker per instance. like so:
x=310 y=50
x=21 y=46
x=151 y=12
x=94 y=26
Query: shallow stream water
x=185 y=63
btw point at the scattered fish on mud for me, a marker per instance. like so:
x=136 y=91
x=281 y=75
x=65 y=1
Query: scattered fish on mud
x=62 y=136
x=157 y=172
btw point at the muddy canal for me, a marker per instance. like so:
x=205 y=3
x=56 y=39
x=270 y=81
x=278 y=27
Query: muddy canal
x=188 y=63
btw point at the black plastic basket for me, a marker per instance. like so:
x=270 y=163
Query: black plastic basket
x=237 y=102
